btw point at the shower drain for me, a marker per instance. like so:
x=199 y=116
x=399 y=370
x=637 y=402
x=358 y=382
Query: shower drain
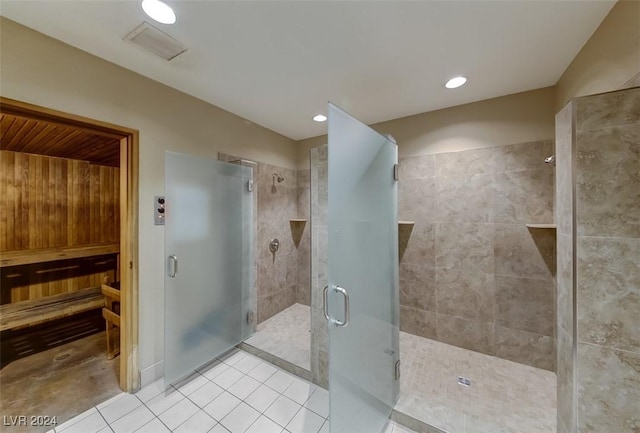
x=464 y=381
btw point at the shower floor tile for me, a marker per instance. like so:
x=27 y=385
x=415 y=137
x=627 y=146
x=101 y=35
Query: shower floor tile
x=286 y=335
x=263 y=410
x=504 y=396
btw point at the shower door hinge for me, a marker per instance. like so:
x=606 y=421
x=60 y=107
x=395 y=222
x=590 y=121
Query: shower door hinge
x=397 y=372
x=396 y=172
x=250 y=186
x=250 y=317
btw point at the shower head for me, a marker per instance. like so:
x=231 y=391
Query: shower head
x=277 y=177
x=550 y=160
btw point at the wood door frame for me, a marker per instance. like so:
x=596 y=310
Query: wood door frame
x=129 y=151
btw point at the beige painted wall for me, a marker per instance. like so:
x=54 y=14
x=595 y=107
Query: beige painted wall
x=512 y=119
x=43 y=71
x=608 y=60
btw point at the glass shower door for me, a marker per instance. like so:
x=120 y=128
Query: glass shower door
x=362 y=295
x=209 y=248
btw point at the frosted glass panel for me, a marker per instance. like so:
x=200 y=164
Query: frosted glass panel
x=363 y=261
x=209 y=231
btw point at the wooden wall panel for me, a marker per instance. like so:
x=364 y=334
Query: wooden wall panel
x=48 y=202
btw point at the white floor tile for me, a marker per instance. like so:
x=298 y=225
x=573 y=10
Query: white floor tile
x=90 y=424
x=179 y=413
x=305 y=421
x=201 y=422
x=262 y=398
x=133 y=420
x=246 y=364
x=264 y=425
x=205 y=394
x=107 y=429
x=228 y=378
x=240 y=418
x=299 y=391
x=262 y=372
x=75 y=419
x=192 y=383
x=243 y=387
x=282 y=410
x=279 y=381
x=232 y=357
x=120 y=407
x=153 y=426
x=218 y=428
x=208 y=365
x=215 y=370
x=151 y=390
x=222 y=405
x=164 y=401
x=319 y=402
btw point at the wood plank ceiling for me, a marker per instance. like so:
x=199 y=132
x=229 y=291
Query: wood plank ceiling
x=20 y=134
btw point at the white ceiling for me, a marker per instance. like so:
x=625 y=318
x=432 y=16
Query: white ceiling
x=278 y=63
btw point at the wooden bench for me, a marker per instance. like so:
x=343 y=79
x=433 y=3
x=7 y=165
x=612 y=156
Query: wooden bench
x=26 y=313
x=111 y=316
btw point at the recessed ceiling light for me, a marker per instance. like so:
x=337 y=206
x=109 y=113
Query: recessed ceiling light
x=455 y=82
x=159 y=11
x=320 y=118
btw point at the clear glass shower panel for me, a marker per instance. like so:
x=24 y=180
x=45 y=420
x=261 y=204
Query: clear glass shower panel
x=363 y=276
x=209 y=256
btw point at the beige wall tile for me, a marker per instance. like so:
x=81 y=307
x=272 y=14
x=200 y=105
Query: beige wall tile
x=608 y=109
x=468 y=246
x=464 y=198
x=524 y=253
x=608 y=390
x=469 y=334
x=525 y=347
x=469 y=295
x=418 y=167
x=524 y=196
x=608 y=181
x=418 y=322
x=525 y=304
x=609 y=292
x=564 y=371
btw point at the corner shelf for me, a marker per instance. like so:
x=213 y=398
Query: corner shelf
x=410 y=223
x=541 y=226
x=298 y=220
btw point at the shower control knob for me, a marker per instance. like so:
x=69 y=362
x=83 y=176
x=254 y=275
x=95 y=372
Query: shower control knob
x=274 y=244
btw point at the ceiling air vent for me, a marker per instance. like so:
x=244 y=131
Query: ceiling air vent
x=156 y=41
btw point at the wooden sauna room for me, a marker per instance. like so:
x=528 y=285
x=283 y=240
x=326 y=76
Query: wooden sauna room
x=60 y=261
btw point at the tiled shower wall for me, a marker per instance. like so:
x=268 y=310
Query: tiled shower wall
x=303 y=233
x=276 y=205
x=319 y=276
x=599 y=245
x=471 y=273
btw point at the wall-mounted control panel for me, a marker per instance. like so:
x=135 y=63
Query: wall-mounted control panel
x=159 y=210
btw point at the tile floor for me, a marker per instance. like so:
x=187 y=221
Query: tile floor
x=504 y=396
x=237 y=393
x=286 y=335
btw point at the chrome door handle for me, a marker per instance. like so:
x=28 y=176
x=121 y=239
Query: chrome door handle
x=325 y=307
x=346 y=307
x=173 y=260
